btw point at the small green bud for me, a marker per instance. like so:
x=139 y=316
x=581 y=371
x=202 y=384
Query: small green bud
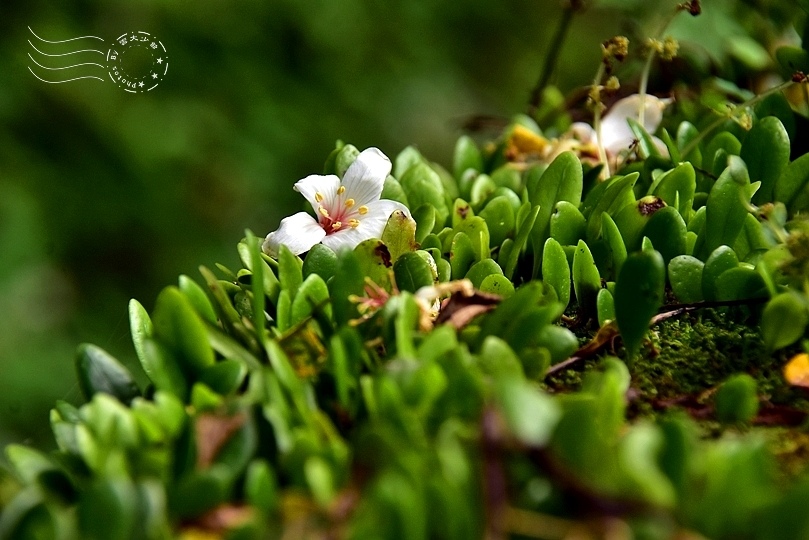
x=670 y=48
x=616 y=47
x=655 y=45
x=612 y=84
x=736 y=401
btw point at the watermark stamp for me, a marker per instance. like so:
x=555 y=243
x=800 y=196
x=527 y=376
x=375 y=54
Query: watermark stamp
x=134 y=61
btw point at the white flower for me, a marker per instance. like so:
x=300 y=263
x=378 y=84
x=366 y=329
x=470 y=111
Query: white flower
x=348 y=212
x=616 y=135
x=615 y=132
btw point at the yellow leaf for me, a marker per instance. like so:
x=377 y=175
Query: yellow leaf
x=193 y=533
x=527 y=142
x=796 y=372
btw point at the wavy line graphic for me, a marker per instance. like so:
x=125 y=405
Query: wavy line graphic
x=65 y=54
x=66 y=67
x=56 y=55
x=59 y=82
x=63 y=40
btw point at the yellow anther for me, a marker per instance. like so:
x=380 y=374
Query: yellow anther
x=354 y=223
x=323 y=211
x=341 y=190
x=349 y=203
x=318 y=197
x=362 y=210
x=337 y=225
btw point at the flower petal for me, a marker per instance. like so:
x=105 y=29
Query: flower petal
x=313 y=184
x=615 y=132
x=365 y=177
x=299 y=232
x=583 y=132
x=371 y=225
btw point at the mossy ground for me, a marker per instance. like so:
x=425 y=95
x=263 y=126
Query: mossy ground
x=688 y=357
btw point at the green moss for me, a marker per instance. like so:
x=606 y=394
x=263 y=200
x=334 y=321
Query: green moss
x=696 y=352
x=691 y=355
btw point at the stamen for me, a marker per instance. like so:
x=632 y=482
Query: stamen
x=341 y=190
x=336 y=225
x=349 y=203
x=362 y=210
x=323 y=211
x=354 y=223
x=318 y=196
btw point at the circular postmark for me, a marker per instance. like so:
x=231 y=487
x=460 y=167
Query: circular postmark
x=137 y=62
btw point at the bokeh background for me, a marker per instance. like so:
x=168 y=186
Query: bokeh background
x=106 y=195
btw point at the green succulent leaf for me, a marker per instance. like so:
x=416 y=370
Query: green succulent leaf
x=224 y=377
x=399 y=234
x=721 y=147
x=586 y=279
x=529 y=413
x=467 y=156
x=108 y=510
x=784 y=320
x=290 y=271
x=320 y=260
x=393 y=191
x=407 y=158
x=425 y=218
x=685 y=276
x=523 y=232
x=414 y=270
x=340 y=159
x=638 y=295
x=163 y=369
x=611 y=197
x=792 y=59
x=740 y=283
x=561 y=181
x=721 y=260
x=481 y=270
x=375 y=262
x=560 y=342
x=568 y=225
x=497 y=284
x=196 y=295
x=633 y=218
x=792 y=187
x=500 y=219
x=726 y=208
x=177 y=325
x=677 y=187
x=461 y=255
x=312 y=298
x=140 y=325
x=615 y=246
x=98 y=371
x=605 y=306
x=765 y=151
x=667 y=231
x=422 y=185
x=736 y=401
x=556 y=270
x=347 y=282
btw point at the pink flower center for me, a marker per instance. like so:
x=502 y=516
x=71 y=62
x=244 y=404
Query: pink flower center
x=342 y=215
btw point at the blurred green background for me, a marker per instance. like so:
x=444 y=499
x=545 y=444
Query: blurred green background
x=106 y=195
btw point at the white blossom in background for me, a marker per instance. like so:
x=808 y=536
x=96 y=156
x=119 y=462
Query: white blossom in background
x=348 y=211
x=616 y=135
